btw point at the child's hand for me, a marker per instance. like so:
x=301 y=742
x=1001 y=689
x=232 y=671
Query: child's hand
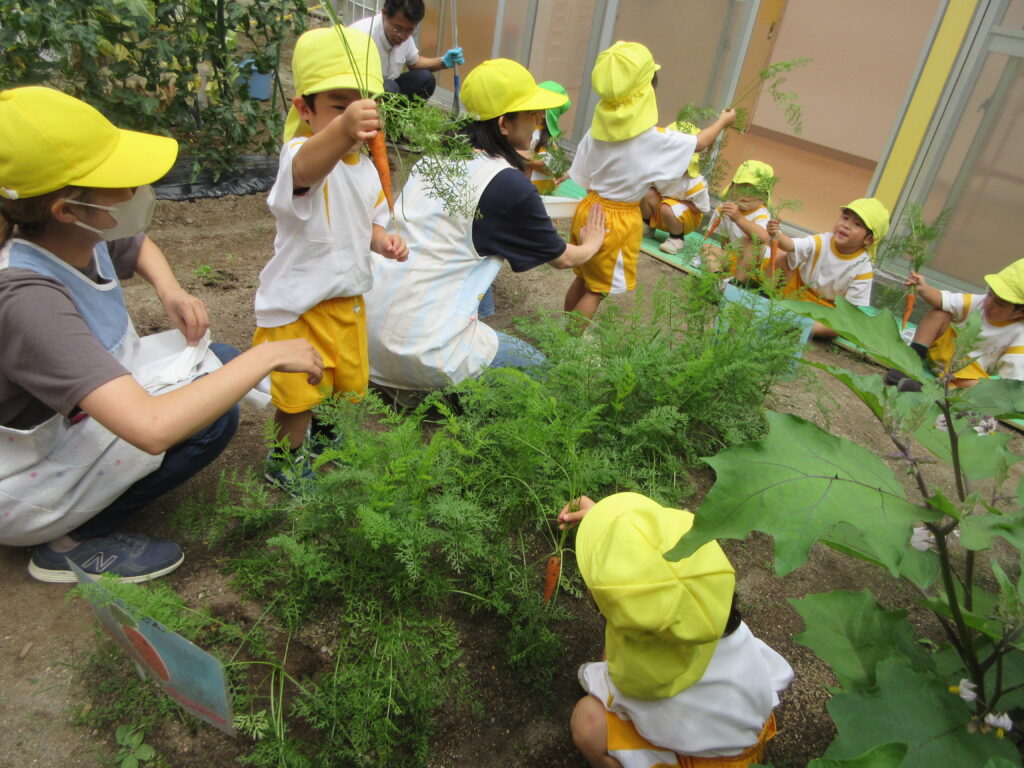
x=574 y=511
x=772 y=227
x=392 y=247
x=915 y=280
x=360 y=121
x=730 y=210
x=592 y=233
x=728 y=117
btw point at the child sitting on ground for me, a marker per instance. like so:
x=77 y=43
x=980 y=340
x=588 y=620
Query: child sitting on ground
x=836 y=263
x=685 y=679
x=330 y=214
x=618 y=159
x=1000 y=347
x=738 y=224
x=545 y=140
x=677 y=205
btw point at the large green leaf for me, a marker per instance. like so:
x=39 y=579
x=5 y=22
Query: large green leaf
x=883 y=756
x=800 y=484
x=1003 y=398
x=981 y=456
x=877 y=334
x=851 y=633
x=917 y=709
x=980 y=531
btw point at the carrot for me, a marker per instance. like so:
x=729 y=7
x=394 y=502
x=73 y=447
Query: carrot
x=908 y=306
x=379 y=155
x=713 y=227
x=551 y=575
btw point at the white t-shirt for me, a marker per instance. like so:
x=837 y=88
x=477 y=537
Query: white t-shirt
x=392 y=57
x=829 y=273
x=718 y=716
x=1000 y=348
x=624 y=170
x=731 y=231
x=322 y=248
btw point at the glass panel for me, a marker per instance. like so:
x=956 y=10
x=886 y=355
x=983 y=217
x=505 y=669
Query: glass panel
x=981 y=176
x=513 y=32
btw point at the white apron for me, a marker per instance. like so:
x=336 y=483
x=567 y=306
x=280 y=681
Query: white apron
x=61 y=473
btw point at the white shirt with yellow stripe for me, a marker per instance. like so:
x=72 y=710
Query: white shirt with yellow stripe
x=1000 y=349
x=731 y=231
x=829 y=273
x=322 y=248
x=687 y=188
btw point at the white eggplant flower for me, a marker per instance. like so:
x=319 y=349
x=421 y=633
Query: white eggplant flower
x=922 y=539
x=966 y=690
x=1001 y=722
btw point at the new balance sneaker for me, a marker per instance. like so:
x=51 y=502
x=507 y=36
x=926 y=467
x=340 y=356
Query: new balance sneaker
x=134 y=557
x=288 y=471
x=672 y=245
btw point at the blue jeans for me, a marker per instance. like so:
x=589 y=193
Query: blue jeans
x=180 y=463
x=413 y=82
x=515 y=353
x=486 y=308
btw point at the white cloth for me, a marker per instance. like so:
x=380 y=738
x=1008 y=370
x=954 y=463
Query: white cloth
x=421 y=315
x=392 y=57
x=731 y=231
x=829 y=273
x=623 y=171
x=322 y=248
x=1000 y=349
x=685 y=187
x=720 y=715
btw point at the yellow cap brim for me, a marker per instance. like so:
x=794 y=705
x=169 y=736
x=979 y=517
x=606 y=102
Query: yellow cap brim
x=137 y=160
x=1004 y=290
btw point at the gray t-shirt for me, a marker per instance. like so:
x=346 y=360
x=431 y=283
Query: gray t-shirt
x=49 y=359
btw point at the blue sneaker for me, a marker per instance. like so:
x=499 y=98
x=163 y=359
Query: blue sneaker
x=134 y=557
x=288 y=471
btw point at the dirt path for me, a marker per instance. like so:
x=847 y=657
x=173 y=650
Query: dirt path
x=217 y=248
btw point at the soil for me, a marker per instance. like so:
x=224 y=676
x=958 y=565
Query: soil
x=217 y=248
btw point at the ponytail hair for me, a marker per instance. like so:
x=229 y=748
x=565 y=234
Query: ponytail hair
x=486 y=136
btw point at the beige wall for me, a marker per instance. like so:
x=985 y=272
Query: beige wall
x=864 y=53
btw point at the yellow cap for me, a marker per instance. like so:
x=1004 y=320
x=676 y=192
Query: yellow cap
x=664 y=618
x=875 y=217
x=322 y=63
x=49 y=140
x=1008 y=283
x=750 y=172
x=622 y=77
x=684 y=127
x=498 y=86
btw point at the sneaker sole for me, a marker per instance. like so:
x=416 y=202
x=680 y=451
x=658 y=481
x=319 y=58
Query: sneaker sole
x=51 y=576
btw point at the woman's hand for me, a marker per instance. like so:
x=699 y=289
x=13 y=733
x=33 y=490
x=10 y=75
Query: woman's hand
x=593 y=231
x=298 y=356
x=187 y=313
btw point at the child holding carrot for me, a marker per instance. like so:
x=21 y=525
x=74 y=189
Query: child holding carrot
x=684 y=679
x=677 y=205
x=738 y=224
x=330 y=212
x=546 y=136
x=836 y=263
x=618 y=159
x=1000 y=348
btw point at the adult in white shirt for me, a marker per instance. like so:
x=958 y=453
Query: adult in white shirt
x=392 y=30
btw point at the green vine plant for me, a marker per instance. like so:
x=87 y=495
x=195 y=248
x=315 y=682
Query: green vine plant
x=771 y=78
x=436 y=136
x=951 y=696
x=765 y=185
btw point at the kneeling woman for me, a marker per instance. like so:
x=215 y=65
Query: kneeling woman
x=422 y=325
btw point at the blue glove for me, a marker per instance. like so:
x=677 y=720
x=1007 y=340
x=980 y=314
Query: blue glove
x=453 y=57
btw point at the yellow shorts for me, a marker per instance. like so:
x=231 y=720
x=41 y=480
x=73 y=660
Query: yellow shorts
x=613 y=268
x=687 y=214
x=337 y=329
x=941 y=354
x=796 y=290
x=623 y=739
x=544 y=186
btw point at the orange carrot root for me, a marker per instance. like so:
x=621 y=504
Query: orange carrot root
x=908 y=307
x=379 y=155
x=713 y=227
x=551 y=575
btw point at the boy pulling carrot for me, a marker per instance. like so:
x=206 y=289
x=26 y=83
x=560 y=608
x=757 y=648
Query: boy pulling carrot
x=330 y=212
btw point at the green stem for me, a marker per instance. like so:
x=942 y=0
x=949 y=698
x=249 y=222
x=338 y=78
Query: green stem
x=967 y=652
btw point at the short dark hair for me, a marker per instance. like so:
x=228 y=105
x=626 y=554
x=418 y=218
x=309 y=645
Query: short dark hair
x=486 y=135
x=413 y=10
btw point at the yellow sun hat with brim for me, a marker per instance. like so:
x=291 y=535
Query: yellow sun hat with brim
x=875 y=217
x=681 y=126
x=663 y=618
x=49 y=140
x=321 y=62
x=552 y=115
x=1008 y=283
x=750 y=172
x=622 y=77
x=499 y=86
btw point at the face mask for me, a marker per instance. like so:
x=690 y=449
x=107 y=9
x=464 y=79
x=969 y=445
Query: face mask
x=132 y=216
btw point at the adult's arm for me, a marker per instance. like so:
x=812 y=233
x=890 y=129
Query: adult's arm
x=187 y=312
x=154 y=423
x=591 y=237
